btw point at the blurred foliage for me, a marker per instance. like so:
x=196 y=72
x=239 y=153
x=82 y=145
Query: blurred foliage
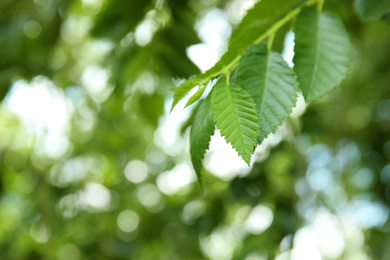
x=102 y=185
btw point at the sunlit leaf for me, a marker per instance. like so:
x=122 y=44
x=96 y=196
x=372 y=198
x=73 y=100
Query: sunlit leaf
x=236 y=117
x=272 y=85
x=198 y=94
x=185 y=88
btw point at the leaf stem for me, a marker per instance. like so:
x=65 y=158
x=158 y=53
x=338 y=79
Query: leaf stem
x=320 y=4
x=271 y=31
x=270 y=41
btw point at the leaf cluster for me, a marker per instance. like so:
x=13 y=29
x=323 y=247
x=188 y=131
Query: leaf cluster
x=256 y=89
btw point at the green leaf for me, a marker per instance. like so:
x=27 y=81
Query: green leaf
x=272 y=85
x=265 y=10
x=182 y=90
x=257 y=25
x=372 y=9
x=185 y=88
x=201 y=131
x=198 y=94
x=236 y=117
x=322 y=52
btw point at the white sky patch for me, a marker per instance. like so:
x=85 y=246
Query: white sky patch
x=305 y=245
x=214 y=30
x=95 y=80
x=367 y=213
x=145 y=31
x=288 y=52
x=222 y=160
x=237 y=9
x=136 y=171
x=41 y=105
x=45 y=113
x=300 y=107
x=330 y=238
x=167 y=136
x=220 y=244
x=96 y=196
x=259 y=219
x=176 y=180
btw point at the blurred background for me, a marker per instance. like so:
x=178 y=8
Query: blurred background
x=93 y=166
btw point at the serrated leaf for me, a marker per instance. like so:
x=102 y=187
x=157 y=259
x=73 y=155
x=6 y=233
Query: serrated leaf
x=201 y=131
x=256 y=25
x=236 y=117
x=195 y=97
x=272 y=85
x=322 y=52
x=372 y=9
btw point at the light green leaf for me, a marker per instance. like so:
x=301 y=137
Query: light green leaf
x=322 y=52
x=198 y=94
x=236 y=117
x=201 y=131
x=372 y=9
x=185 y=88
x=272 y=85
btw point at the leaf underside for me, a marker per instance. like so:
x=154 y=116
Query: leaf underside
x=272 y=85
x=201 y=131
x=236 y=117
x=322 y=52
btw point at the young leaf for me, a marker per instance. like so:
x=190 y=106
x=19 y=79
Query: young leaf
x=182 y=90
x=198 y=94
x=236 y=117
x=185 y=88
x=322 y=52
x=272 y=85
x=201 y=131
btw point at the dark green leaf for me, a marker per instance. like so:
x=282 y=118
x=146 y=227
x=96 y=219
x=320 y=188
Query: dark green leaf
x=322 y=52
x=372 y=9
x=201 y=131
x=271 y=83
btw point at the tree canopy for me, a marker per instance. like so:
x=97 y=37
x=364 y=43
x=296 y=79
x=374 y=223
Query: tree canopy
x=112 y=112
